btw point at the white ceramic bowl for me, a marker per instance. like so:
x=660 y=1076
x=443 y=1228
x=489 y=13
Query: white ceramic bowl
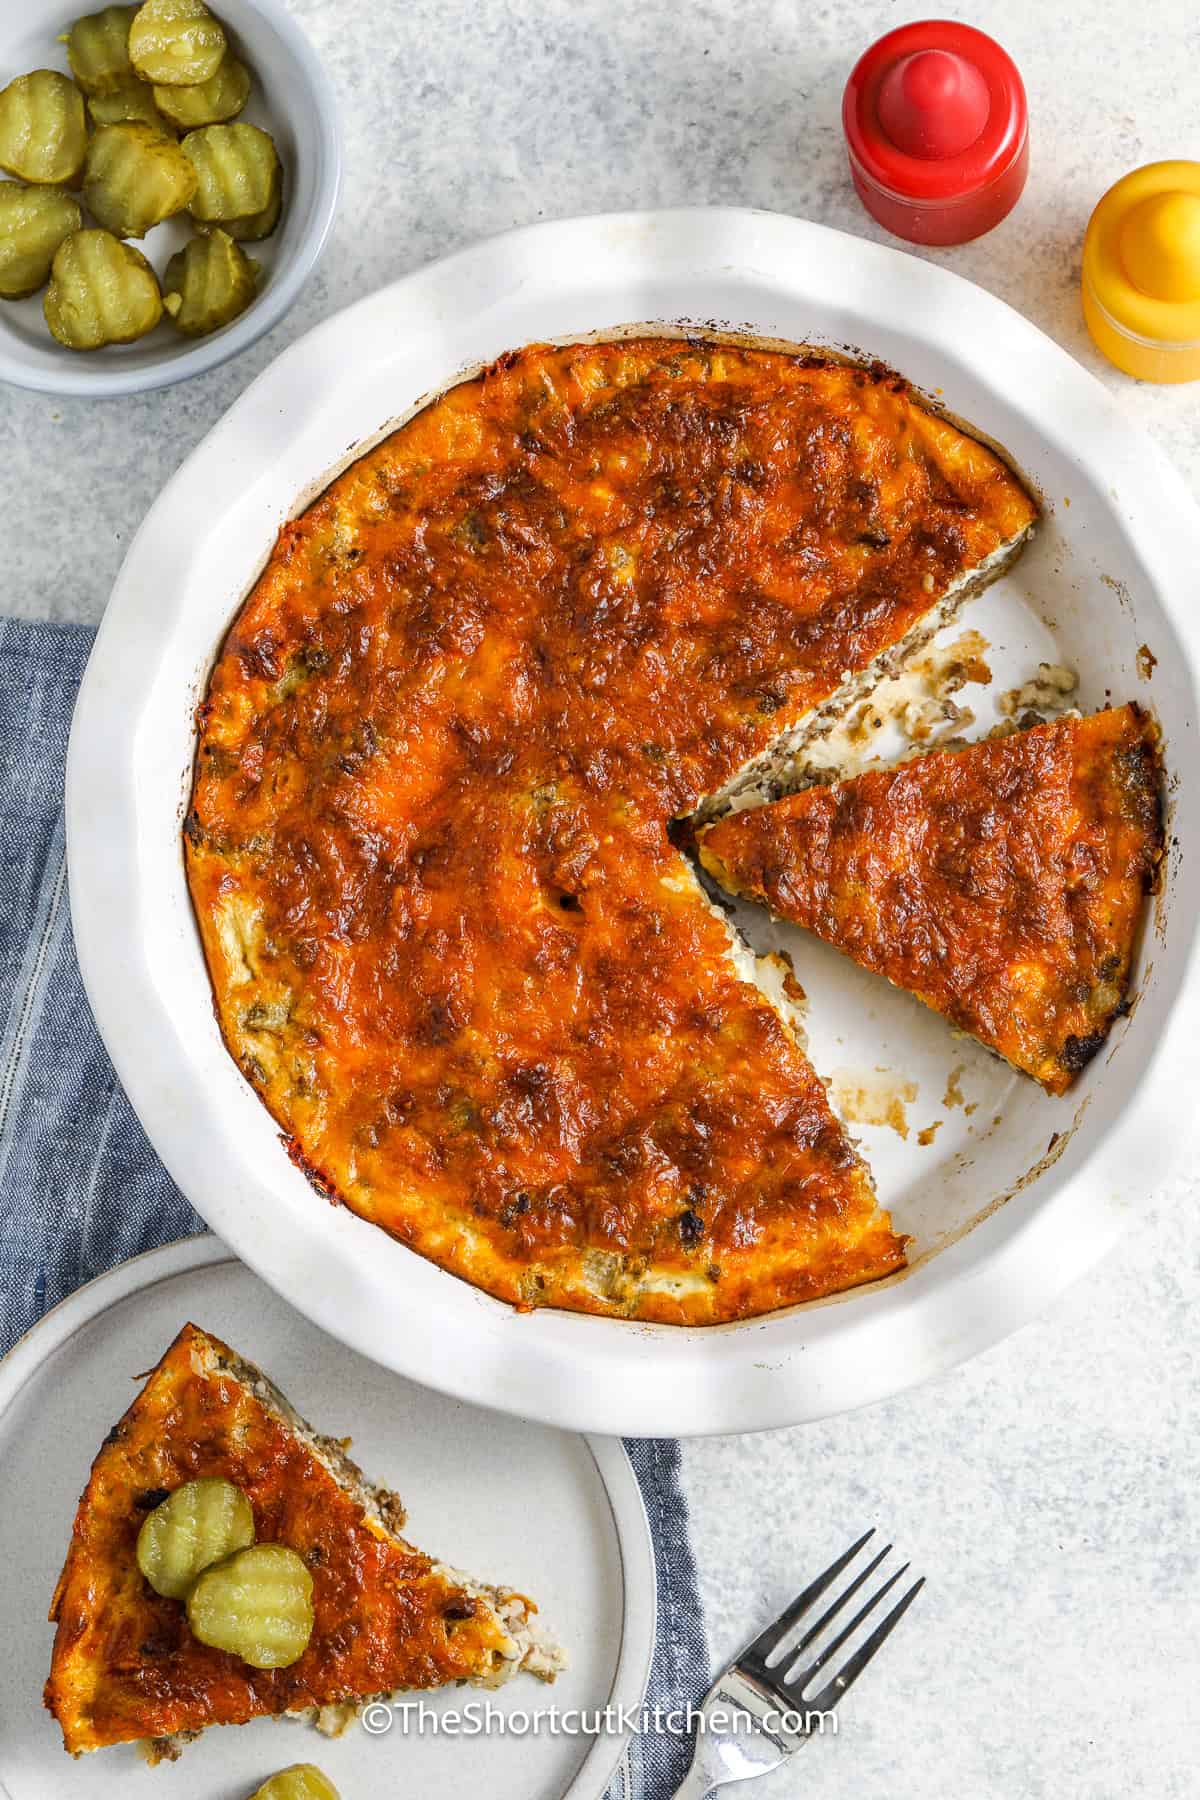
x=1009 y=1201
x=293 y=99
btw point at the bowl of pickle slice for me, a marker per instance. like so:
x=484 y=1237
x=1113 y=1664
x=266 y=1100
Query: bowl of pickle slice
x=169 y=171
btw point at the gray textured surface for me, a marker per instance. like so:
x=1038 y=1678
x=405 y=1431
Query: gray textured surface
x=1050 y=1488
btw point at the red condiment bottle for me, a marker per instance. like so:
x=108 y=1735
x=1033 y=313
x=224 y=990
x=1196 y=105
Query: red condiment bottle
x=937 y=129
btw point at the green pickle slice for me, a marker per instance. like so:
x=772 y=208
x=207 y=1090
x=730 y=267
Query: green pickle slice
x=208 y=283
x=33 y=223
x=303 y=1781
x=257 y=1604
x=101 y=292
x=43 y=132
x=134 y=178
x=256 y=226
x=196 y=1526
x=98 y=49
x=176 y=42
x=209 y=102
x=130 y=104
x=237 y=168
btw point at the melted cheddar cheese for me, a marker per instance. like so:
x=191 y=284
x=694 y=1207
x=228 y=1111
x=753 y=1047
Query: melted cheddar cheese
x=452 y=942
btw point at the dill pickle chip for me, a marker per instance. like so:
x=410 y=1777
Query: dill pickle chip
x=130 y=104
x=210 y=102
x=134 y=178
x=33 y=223
x=198 y=1525
x=176 y=43
x=208 y=283
x=236 y=169
x=303 y=1781
x=257 y=1604
x=98 y=49
x=101 y=292
x=255 y=226
x=43 y=133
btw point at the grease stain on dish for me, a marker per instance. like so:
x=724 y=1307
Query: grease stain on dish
x=873 y=1097
x=953 y=1095
x=1121 y=590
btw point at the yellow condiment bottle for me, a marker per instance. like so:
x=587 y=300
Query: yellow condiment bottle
x=1141 y=273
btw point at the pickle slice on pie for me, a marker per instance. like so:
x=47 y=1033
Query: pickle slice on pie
x=127 y=1666
x=199 y=1524
x=257 y=1605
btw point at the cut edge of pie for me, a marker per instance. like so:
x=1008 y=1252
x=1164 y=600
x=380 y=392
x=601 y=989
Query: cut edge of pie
x=125 y=1667
x=765 y=777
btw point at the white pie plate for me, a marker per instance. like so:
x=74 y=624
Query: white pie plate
x=1000 y=1220
x=472 y=1484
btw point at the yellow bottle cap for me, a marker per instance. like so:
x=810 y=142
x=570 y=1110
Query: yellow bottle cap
x=1160 y=245
x=1141 y=272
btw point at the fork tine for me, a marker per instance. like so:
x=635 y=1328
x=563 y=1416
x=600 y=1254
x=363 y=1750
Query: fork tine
x=831 y=1649
x=848 y=1593
x=769 y=1640
x=844 y=1680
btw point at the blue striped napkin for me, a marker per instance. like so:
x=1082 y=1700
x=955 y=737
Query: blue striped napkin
x=81 y=1188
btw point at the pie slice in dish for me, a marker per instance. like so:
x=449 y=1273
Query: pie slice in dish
x=1001 y=884
x=126 y=1666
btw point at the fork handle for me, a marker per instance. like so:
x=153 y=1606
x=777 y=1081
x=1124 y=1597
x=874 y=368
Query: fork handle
x=696 y=1784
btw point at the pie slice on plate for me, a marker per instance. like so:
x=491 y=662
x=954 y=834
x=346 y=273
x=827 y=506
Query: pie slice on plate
x=1002 y=884
x=126 y=1666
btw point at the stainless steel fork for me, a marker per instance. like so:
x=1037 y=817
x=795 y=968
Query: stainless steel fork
x=754 y=1715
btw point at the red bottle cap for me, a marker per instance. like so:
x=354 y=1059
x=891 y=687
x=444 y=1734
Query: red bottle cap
x=937 y=130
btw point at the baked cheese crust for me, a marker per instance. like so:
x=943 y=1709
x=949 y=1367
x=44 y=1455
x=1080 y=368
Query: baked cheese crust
x=451 y=941
x=125 y=1665
x=1002 y=884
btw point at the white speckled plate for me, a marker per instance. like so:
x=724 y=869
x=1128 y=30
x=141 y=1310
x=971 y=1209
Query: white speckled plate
x=1013 y=1194
x=472 y=1483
